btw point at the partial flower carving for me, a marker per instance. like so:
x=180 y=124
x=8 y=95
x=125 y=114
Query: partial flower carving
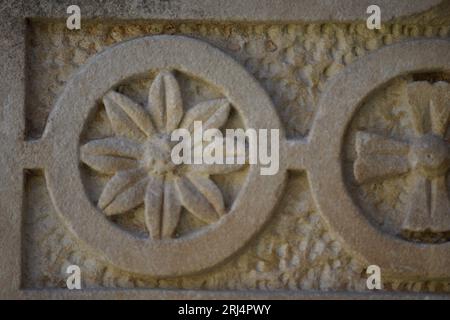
x=426 y=155
x=139 y=158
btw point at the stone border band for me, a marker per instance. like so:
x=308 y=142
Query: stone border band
x=230 y=10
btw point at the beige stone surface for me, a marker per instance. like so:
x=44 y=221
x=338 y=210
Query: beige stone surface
x=364 y=156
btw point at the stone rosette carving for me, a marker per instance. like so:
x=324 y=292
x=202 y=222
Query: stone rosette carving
x=425 y=156
x=139 y=157
x=422 y=155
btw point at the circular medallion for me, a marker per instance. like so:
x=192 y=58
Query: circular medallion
x=135 y=157
x=382 y=132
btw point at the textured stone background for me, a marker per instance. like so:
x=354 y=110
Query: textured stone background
x=292 y=62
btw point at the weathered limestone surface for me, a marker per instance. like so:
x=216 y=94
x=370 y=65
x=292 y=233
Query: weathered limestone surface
x=86 y=178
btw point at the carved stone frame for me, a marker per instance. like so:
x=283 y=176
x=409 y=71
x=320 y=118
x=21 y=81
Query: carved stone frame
x=346 y=94
x=16 y=154
x=171 y=257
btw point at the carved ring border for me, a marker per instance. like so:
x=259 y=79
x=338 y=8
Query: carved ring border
x=342 y=99
x=193 y=253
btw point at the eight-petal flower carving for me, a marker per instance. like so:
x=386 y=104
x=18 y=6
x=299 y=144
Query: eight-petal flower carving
x=139 y=158
x=426 y=155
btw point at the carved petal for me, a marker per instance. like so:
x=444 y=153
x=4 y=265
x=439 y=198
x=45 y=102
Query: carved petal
x=418 y=214
x=419 y=96
x=128 y=199
x=210 y=191
x=440 y=108
x=136 y=113
x=109 y=164
x=370 y=143
x=164 y=102
x=217 y=168
x=121 y=122
x=111 y=154
x=440 y=205
x=153 y=205
x=119 y=147
x=214 y=168
x=162 y=208
x=213 y=114
x=171 y=210
x=379 y=157
x=194 y=201
x=118 y=184
x=375 y=168
x=430 y=106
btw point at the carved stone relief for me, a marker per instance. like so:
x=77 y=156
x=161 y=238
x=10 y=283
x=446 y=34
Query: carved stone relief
x=396 y=158
x=138 y=158
x=364 y=156
x=404 y=147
